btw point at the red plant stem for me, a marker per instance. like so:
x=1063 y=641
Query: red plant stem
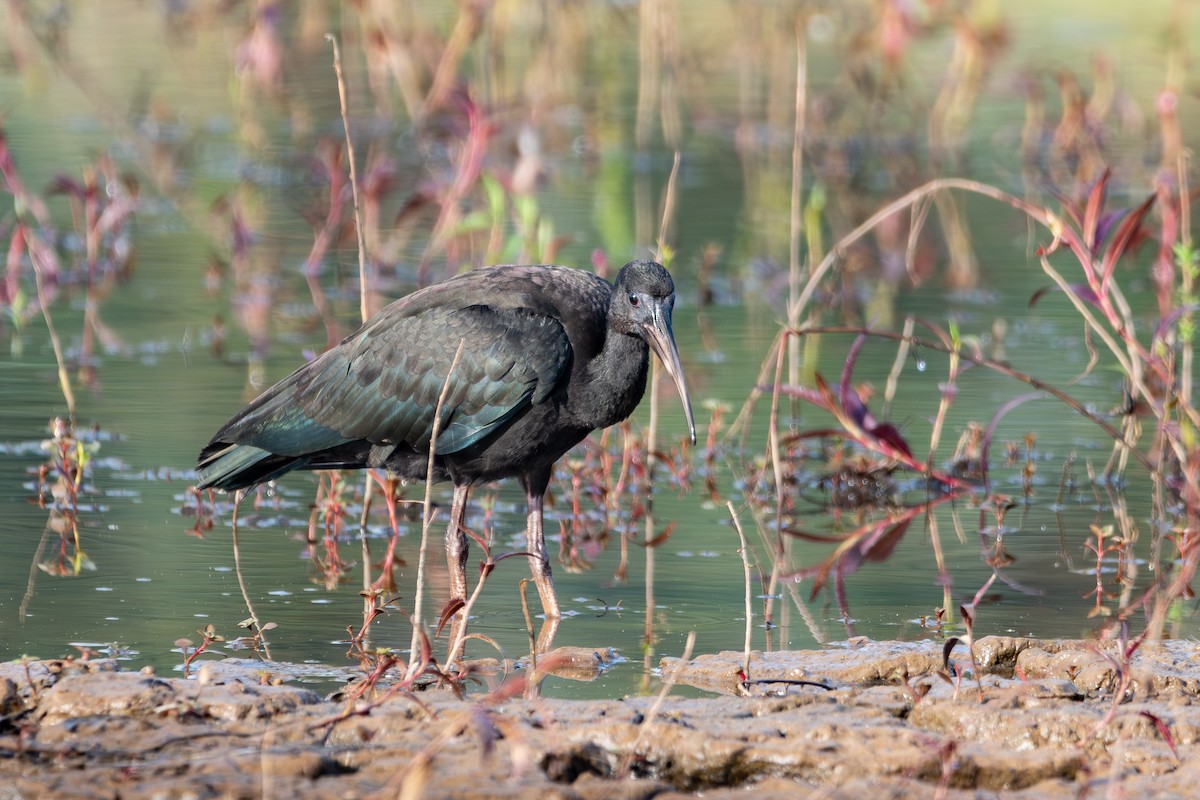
x=1003 y=369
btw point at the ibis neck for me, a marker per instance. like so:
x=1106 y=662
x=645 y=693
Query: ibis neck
x=614 y=381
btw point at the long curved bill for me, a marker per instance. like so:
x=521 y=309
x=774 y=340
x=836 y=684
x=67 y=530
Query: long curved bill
x=662 y=341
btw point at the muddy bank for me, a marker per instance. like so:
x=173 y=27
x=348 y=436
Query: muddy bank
x=1040 y=719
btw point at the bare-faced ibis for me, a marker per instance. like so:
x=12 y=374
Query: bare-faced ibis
x=549 y=354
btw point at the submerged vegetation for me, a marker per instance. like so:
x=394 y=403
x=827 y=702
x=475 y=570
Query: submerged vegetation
x=480 y=133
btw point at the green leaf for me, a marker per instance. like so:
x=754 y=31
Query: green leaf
x=497 y=198
x=1187 y=258
x=545 y=237
x=526 y=208
x=666 y=254
x=478 y=220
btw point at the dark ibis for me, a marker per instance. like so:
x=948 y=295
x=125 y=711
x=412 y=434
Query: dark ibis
x=549 y=355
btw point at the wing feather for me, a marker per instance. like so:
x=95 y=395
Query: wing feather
x=382 y=385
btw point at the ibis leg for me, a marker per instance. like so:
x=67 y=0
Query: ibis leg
x=539 y=564
x=387 y=576
x=457 y=545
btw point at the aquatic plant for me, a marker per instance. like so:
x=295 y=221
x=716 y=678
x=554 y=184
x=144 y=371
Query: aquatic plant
x=1098 y=241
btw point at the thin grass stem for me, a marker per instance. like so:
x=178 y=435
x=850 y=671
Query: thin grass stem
x=669 y=680
x=796 y=210
x=744 y=551
x=893 y=379
x=64 y=379
x=363 y=310
x=241 y=579
x=418 y=618
x=776 y=457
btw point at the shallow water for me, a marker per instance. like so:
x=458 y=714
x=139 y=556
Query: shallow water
x=161 y=392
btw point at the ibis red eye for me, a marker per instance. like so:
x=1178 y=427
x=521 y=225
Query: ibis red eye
x=634 y=300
